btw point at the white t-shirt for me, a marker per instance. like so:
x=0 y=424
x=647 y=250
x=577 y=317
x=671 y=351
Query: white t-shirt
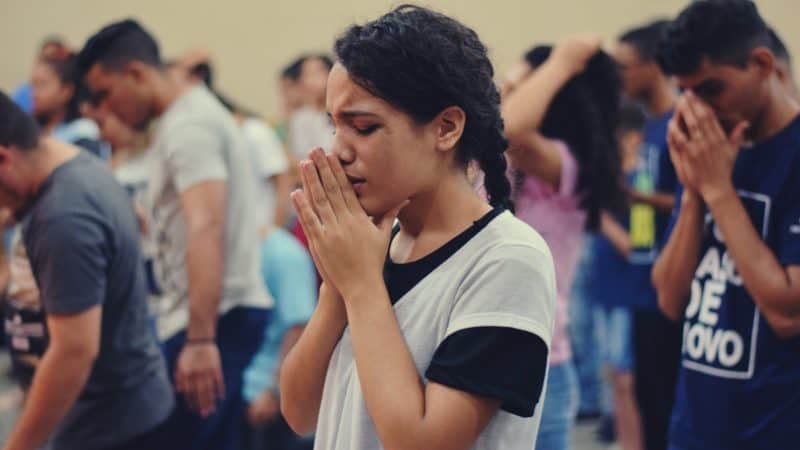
x=269 y=160
x=501 y=277
x=197 y=140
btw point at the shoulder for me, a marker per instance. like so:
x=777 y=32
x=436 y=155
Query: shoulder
x=196 y=109
x=510 y=283
x=507 y=235
x=58 y=230
x=509 y=256
x=84 y=129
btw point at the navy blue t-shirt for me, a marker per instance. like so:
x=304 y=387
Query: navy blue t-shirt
x=615 y=279
x=739 y=385
x=620 y=281
x=666 y=179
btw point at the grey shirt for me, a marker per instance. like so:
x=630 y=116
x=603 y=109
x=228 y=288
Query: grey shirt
x=196 y=141
x=82 y=240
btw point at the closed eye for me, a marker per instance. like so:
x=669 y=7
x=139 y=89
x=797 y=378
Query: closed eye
x=368 y=130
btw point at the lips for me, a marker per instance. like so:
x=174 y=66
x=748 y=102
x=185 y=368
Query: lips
x=358 y=183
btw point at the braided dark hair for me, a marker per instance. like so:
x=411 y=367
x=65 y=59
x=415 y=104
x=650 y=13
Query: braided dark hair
x=422 y=62
x=585 y=114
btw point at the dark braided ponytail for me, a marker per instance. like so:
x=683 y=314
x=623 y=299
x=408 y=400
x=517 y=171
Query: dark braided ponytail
x=585 y=115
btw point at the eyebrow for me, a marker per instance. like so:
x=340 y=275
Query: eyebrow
x=710 y=83
x=354 y=113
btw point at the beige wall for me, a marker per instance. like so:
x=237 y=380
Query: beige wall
x=252 y=40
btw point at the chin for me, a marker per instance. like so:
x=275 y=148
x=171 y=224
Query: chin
x=371 y=208
x=374 y=207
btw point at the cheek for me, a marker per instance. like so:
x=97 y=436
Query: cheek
x=376 y=157
x=122 y=104
x=381 y=162
x=43 y=94
x=732 y=104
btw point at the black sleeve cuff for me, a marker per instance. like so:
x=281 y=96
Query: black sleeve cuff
x=496 y=362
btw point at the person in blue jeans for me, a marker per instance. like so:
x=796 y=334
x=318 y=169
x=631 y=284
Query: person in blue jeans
x=555 y=100
x=656 y=338
x=583 y=339
x=730 y=272
x=289 y=274
x=620 y=277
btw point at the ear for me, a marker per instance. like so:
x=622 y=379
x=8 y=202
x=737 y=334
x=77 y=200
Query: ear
x=5 y=155
x=449 y=128
x=653 y=69
x=764 y=61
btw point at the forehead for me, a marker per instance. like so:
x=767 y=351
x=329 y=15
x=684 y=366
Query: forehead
x=314 y=64
x=707 y=72
x=98 y=76
x=41 y=68
x=626 y=53
x=343 y=94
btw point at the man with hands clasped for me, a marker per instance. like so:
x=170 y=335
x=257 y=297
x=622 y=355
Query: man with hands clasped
x=731 y=268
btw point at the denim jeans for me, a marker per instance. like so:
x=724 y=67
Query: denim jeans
x=582 y=336
x=560 y=408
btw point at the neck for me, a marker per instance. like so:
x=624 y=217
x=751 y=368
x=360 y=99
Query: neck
x=166 y=91
x=42 y=162
x=629 y=162
x=661 y=99
x=53 y=120
x=777 y=113
x=450 y=206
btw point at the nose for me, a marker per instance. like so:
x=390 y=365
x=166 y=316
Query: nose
x=342 y=150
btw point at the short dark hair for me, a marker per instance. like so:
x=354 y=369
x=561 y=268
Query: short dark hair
x=17 y=129
x=778 y=47
x=118 y=44
x=725 y=31
x=422 y=62
x=646 y=39
x=294 y=69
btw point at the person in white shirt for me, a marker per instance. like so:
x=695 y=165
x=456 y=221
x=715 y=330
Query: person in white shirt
x=433 y=334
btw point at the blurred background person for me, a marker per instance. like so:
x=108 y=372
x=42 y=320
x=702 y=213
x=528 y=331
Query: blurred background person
x=656 y=339
x=51 y=47
x=309 y=126
x=268 y=158
x=290 y=95
x=213 y=307
x=57 y=96
x=290 y=276
x=560 y=121
x=620 y=281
